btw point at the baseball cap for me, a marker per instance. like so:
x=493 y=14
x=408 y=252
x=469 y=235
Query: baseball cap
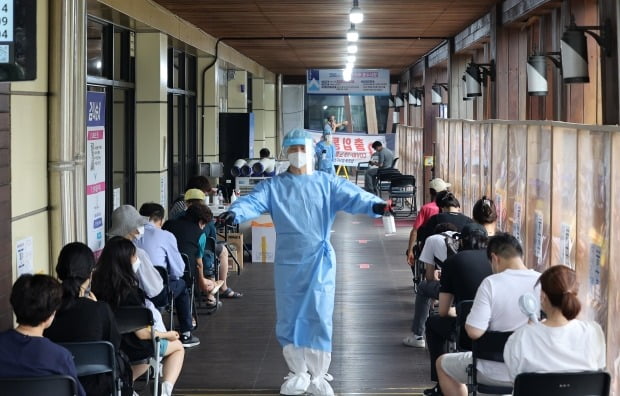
x=194 y=193
x=439 y=185
x=470 y=229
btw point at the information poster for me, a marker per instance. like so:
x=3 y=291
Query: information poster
x=95 y=170
x=24 y=259
x=351 y=149
x=363 y=82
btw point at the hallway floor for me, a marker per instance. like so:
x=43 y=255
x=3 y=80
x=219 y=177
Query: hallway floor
x=239 y=353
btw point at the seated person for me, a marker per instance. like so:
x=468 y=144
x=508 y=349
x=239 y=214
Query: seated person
x=24 y=352
x=115 y=282
x=179 y=205
x=495 y=308
x=264 y=153
x=449 y=212
x=461 y=274
x=80 y=316
x=561 y=343
x=161 y=247
x=428 y=290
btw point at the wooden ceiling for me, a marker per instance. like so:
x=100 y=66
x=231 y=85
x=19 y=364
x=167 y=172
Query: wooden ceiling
x=290 y=36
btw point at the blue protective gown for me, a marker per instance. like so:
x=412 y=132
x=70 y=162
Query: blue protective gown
x=325 y=163
x=303 y=208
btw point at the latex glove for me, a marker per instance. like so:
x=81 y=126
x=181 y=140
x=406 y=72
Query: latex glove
x=383 y=207
x=226 y=218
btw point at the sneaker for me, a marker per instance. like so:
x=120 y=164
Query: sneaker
x=189 y=341
x=414 y=340
x=434 y=391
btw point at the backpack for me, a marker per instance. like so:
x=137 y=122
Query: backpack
x=453 y=244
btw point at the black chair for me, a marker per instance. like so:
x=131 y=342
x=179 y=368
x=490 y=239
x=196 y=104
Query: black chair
x=394 y=161
x=488 y=347
x=402 y=190
x=590 y=383
x=384 y=177
x=51 y=385
x=94 y=357
x=169 y=303
x=130 y=319
x=189 y=277
x=462 y=340
x=361 y=169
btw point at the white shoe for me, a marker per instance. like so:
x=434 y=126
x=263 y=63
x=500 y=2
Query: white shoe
x=415 y=341
x=320 y=386
x=295 y=384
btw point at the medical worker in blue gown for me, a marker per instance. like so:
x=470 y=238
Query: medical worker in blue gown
x=325 y=153
x=303 y=205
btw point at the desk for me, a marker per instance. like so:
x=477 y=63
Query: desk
x=218 y=209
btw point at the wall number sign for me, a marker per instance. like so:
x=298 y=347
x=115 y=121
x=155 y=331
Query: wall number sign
x=18 y=40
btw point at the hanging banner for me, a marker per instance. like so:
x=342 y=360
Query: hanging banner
x=95 y=170
x=351 y=148
x=363 y=82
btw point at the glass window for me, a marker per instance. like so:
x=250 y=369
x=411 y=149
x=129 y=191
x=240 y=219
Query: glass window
x=358 y=114
x=382 y=108
x=319 y=107
x=95 y=49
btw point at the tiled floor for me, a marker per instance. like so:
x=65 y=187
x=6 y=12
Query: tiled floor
x=239 y=354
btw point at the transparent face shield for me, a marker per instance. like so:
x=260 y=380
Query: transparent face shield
x=301 y=157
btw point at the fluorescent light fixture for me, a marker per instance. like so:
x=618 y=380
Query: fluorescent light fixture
x=350 y=58
x=356 y=15
x=352 y=49
x=352 y=34
x=349 y=65
x=347 y=74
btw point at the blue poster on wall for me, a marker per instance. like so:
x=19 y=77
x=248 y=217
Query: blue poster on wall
x=95 y=170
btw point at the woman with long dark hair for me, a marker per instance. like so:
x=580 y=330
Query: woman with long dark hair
x=81 y=317
x=115 y=282
x=561 y=343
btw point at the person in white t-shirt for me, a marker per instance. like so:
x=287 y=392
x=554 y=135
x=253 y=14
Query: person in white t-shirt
x=495 y=308
x=561 y=343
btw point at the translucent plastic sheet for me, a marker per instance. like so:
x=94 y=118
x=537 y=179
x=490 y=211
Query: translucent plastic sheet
x=475 y=162
x=538 y=213
x=499 y=172
x=593 y=211
x=486 y=185
x=613 y=335
x=467 y=196
x=516 y=182
x=419 y=171
x=456 y=159
x=441 y=150
x=563 y=196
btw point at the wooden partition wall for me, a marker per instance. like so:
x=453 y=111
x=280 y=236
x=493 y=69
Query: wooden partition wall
x=411 y=157
x=557 y=188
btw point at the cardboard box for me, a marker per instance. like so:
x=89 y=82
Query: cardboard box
x=263 y=242
x=231 y=263
x=235 y=241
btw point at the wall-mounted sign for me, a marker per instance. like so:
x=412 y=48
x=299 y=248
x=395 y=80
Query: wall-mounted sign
x=18 y=40
x=363 y=82
x=95 y=170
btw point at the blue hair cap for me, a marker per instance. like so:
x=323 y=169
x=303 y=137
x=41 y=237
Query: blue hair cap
x=296 y=137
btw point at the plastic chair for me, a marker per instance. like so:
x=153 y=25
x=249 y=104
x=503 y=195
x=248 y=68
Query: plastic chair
x=488 y=347
x=360 y=169
x=591 y=383
x=50 y=385
x=131 y=319
x=384 y=177
x=394 y=161
x=403 y=188
x=169 y=306
x=462 y=341
x=94 y=357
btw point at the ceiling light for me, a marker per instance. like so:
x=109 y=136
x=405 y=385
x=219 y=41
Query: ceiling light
x=352 y=49
x=346 y=74
x=349 y=65
x=352 y=34
x=356 y=15
x=350 y=58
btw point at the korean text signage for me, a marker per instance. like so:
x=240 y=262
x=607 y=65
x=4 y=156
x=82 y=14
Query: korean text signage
x=18 y=40
x=350 y=148
x=363 y=82
x=95 y=170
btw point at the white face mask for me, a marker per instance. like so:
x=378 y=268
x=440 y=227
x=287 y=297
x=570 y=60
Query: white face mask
x=297 y=159
x=140 y=232
x=328 y=139
x=135 y=265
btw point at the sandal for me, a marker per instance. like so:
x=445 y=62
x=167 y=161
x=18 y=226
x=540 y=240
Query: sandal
x=217 y=286
x=230 y=293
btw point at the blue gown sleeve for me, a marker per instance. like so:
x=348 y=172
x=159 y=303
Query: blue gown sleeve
x=348 y=197
x=254 y=204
